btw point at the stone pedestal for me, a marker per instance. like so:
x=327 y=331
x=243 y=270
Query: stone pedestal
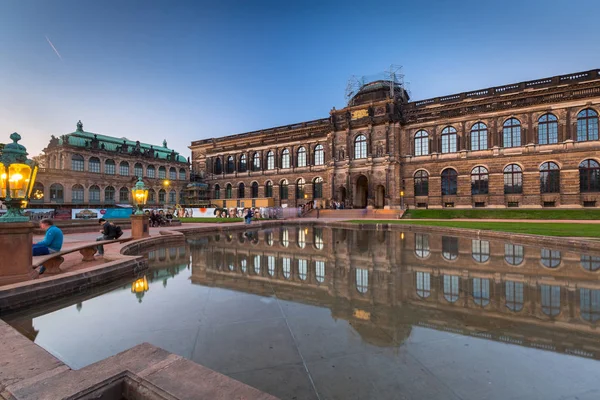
x=140 y=226
x=15 y=252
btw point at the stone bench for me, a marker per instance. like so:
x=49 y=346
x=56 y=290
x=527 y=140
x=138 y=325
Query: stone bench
x=53 y=261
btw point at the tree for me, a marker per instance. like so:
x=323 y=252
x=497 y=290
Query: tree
x=1 y=147
x=40 y=160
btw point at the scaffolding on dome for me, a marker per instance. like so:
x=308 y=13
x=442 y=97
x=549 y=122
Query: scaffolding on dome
x=393 y=76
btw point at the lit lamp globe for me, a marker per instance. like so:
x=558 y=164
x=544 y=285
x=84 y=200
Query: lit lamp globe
x=140 y=196
x=17 y=177
x=139 y=288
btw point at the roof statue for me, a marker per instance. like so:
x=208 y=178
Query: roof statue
x=165 y=143
x=79 y=126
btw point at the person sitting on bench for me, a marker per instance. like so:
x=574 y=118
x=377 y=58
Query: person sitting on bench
x=52 y=243
x=109 y=231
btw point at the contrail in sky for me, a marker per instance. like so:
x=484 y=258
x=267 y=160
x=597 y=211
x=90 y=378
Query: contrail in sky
x=54 y=48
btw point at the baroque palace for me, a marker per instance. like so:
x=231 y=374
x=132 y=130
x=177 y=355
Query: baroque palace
x=92 y=170
x=528 y=144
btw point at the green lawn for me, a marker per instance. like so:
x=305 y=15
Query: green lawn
x=533 y=228
x=546 y=214
x=210 y=220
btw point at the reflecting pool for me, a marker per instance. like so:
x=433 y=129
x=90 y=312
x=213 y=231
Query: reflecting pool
x=308 y=312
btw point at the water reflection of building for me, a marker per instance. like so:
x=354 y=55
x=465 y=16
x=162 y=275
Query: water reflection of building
x=165 y=263
x=520 y=294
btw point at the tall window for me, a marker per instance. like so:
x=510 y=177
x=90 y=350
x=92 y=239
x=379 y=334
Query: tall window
x=300 y=188
x=56 y=192
x=589 y=304
x=241 y=191
x=182 y=174
x=422 y=245
x=257 y=264
x=449 y=182
x=319 y=155
x=421 y=143
x=230 y=165
x=151 y=196
x=243 y=167
x=360 y=147
x=123 y=195
x=77 y=193
x=271 y=265
x=514 y=295
x=218 y=166
x=151 y=171
x=479 y=136
x=362 y=280
x=162 y=196
x=138 y=170
x=228 y=191
x=109 y=167
x=300 y=238
x=549 y=178
x=479 y=180
x=587 y=125
x=217 y=192
x=256 y=162
x=318 y=188
x=270 y=160
x=109 y=194
x=480 y=250
x=423 y=284
x=172 y=197
x=94 y=165
x=318 y=238
x=449 y=139
x=511 y=133
x=513 y=179
x=284 y=237
x=269 y=189
x=124 y=168
x=94 y=193
x=283 y=189
x=162 y=173
x=285 y=158
x=302 y=269
x=589 y=176
x=514 y=254
x=550 y=300
x=421 y=183
x=77 y=163
x=450 y=247
x=481 y=291
x=301 y=157
x=547 y=129
x=286 y=267
x=254 y=190
x=550 y=258
x=451 y=289
x=172 y=174
x=320 y=271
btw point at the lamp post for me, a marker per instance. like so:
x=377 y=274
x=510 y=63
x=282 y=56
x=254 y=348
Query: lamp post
x=17 y=177
x=140 y=226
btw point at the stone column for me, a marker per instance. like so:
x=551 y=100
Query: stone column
x=15 y=251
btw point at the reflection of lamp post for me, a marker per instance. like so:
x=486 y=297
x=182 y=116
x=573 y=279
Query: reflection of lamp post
x=139 y=287
x=140 y=226
x=402 y=199
x=140 y=196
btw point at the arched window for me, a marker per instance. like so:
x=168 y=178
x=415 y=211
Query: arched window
x=271 y=265
x=450 y=247
x=162 y=173
x=256 y=264
x=318 y=188
x=77 y=193
x=421 y=143
x=283 y=189
x=480 y=250
x=589 y=304
x=110 y=167
x=590 y=263
x=549 y=178
x=109 y=194
x=269 y=189
x=286 y=266
x=514 y=254
x=284 y=237
x=319 y=155
x=256 y=162
x=479 y=136
x=449 y=140
x=124 y=168
x=151 y=196
x=422 y=245
x=241 y=191
x=587 y=125
x=151 y=171
x=451 y=289
x=318 y=238
x=550 y=300
x=513 y=179
x=123 y=195
x=172 y=174
x=479 y=180
x=285 y=158
x=423 y=284
x=300 y=188
x=320 y=271
x=94 y=165
x=217 y=192
x=589 y=176
x=360 y=147
x=481 y=291
x=228 y=191
x=362 y=280
x=302 y=269
x=550 y=258
x=270 y=160
x=77 y=162
x=172 y=197
x=94 y=194
x=218 y=166
x=547 y=129
x=511 y=133
x=230 y=166
x=514 y=295
x=254 y=190
x=182 y=174
x=243 y=167
x=421 y=183
x=301 y=157
x=162 y=196
x=449 y=182
x=138 y=170
x=301 y=237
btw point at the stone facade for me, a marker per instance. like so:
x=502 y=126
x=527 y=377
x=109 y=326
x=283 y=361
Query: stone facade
x=92 y=170
x=374 y=148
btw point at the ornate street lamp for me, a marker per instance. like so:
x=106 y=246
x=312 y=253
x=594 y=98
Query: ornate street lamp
x=140 y=196
x=17 y=176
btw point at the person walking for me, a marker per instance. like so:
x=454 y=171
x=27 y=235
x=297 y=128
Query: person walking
x=109 y=231
x=248 y=216
x=52 y=243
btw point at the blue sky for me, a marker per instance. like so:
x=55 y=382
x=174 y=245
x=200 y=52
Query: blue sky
x=149 y=70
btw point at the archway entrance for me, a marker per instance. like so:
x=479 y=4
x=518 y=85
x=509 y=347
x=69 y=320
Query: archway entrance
x=360 y=192
x=380 y=197
x=341 y=195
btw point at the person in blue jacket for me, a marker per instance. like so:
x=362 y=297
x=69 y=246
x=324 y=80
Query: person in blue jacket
x=52 y=243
